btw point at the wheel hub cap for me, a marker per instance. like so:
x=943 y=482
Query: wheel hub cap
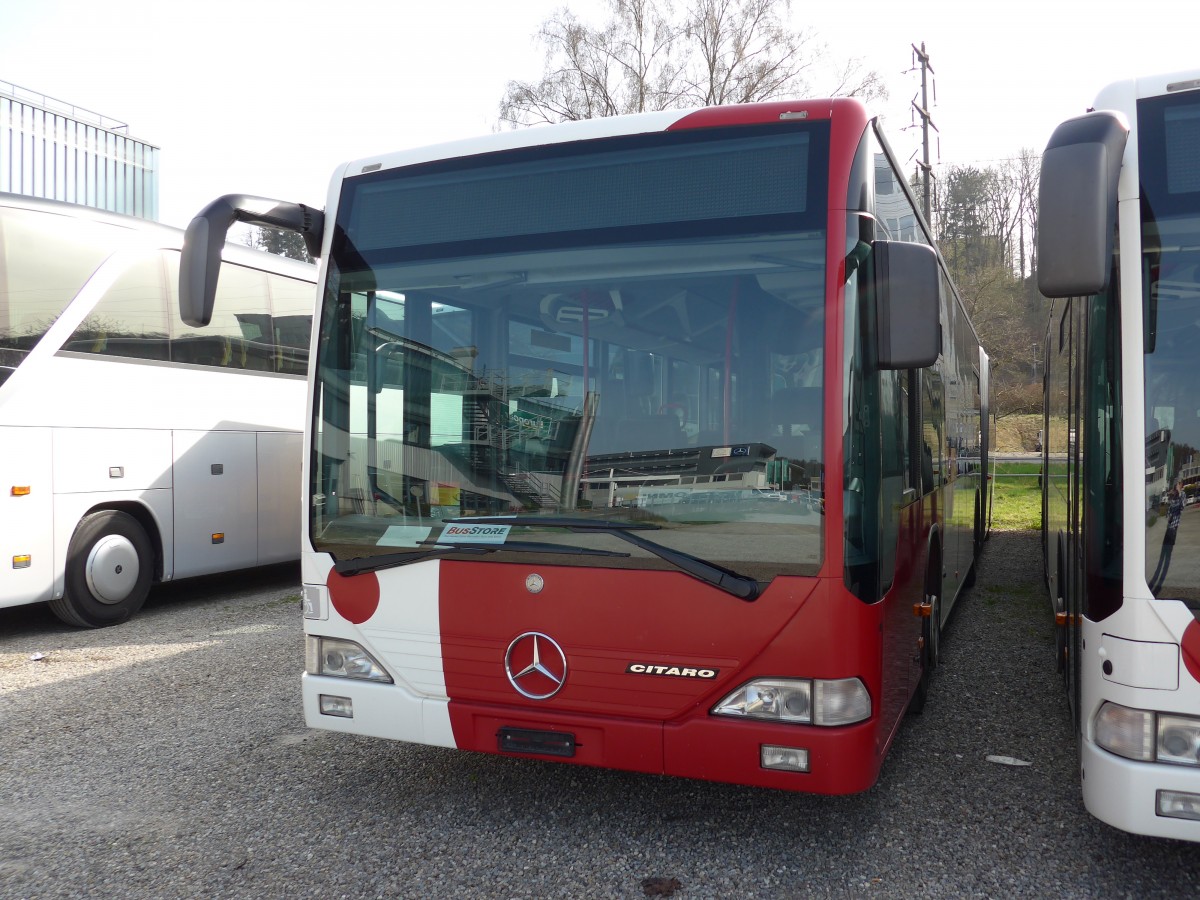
x=112 y=569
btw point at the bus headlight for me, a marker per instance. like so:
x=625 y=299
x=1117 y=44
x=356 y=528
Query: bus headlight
x=841 y=701
x=1179 y=740
x=1146 y=736
x=341 y=659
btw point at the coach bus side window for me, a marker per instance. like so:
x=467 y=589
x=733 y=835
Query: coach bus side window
x=44 y=261
x=130 y=320
x=239 y=335
x=292 y=303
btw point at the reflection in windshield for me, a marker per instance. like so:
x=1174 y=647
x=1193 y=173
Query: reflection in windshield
x=1173 y=412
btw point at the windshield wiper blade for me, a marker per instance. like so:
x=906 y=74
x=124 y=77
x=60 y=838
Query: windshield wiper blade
x=572 y=522
x=741 y=586
x=362 y=564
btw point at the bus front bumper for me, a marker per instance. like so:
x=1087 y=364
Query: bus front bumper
x=1126 y=794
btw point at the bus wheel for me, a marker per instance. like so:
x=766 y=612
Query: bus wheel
x=930 y=645
x=110 y=563
x=976 y=545
x=1060 y=617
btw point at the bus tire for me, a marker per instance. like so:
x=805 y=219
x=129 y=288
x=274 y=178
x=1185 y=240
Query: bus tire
x=976 y=544
x=1060 y=608
x=931 y=632
x=110 y=564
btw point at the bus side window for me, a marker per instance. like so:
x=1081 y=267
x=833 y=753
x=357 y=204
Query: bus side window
x=130 y=320
x=239 y=336
x=292 y=304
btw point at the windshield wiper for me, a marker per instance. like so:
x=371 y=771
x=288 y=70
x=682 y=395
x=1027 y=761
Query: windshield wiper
x=741 y=586
x=362 y=564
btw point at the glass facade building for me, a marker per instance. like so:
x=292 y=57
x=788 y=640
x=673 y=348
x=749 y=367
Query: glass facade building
x=54 y=150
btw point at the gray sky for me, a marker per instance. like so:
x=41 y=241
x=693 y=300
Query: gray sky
x=268 y=96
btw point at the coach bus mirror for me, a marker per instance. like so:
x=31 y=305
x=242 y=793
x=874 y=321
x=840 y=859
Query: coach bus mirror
x=1077 y=204
x=907 y=305
x=204 y=240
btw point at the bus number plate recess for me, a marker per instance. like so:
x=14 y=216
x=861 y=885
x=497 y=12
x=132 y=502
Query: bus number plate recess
x=547 y=743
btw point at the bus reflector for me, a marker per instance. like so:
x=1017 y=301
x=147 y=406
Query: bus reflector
x=22 y=561
x=20 y=490
x=219 y=537
x=789 y=759
x=1179 y=805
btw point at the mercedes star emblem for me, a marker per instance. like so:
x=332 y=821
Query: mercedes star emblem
x=536 y=666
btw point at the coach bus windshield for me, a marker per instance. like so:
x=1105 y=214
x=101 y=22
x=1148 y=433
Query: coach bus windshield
x=623 y=330
x=1169 y=138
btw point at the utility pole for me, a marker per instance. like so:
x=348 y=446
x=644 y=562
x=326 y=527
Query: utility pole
x=926 y=123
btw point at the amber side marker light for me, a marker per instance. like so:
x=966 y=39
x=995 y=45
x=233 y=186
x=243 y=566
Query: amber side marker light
x=20 y=490
x=219 y=537
x=23 y=561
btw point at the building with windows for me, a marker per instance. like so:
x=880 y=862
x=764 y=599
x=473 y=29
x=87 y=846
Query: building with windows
x=52 y=149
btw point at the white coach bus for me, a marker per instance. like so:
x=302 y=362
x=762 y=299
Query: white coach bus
x=133 y=448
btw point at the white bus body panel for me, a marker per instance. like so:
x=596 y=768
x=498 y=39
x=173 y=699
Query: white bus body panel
x=215 y=494
x=1116 y=790
x=26 y=522
x=95 y=460
x=280 y=506
x=406 y=632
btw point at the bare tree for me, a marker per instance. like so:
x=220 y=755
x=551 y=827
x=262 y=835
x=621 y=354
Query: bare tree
x=653 y=55
x=1027 y=171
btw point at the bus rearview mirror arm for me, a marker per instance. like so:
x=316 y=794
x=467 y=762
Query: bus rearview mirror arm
x=205 y=237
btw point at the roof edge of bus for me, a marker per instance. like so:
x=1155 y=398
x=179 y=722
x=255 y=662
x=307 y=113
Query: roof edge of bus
x=768 y=112
x=1117 y=94
x=592 y=129
x=157 y=233
x=79 y=211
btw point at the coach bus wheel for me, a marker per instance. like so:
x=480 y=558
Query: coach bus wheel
x=110 y=563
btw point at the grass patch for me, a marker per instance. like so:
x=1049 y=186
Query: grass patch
x=1017 y=498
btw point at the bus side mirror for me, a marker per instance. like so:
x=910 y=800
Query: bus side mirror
x=205 y=237
x=1077 y=204
x=907 y=305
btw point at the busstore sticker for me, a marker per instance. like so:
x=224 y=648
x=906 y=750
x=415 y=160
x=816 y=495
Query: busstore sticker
x=474 y=534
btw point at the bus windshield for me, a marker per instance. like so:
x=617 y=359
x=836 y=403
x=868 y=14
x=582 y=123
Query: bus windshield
x=569 y=355
x=1169 y=129
x=44 y=261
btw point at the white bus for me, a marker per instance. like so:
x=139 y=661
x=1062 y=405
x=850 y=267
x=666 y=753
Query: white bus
x=133 y=448
x=1119 y=245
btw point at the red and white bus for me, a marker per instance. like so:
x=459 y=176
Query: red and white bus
x=1119 y=245
x=650 y=443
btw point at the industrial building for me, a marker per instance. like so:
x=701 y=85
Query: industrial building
x=58 y=151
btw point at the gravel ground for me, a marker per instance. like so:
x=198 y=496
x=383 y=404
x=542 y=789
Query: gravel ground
x=168 y=758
